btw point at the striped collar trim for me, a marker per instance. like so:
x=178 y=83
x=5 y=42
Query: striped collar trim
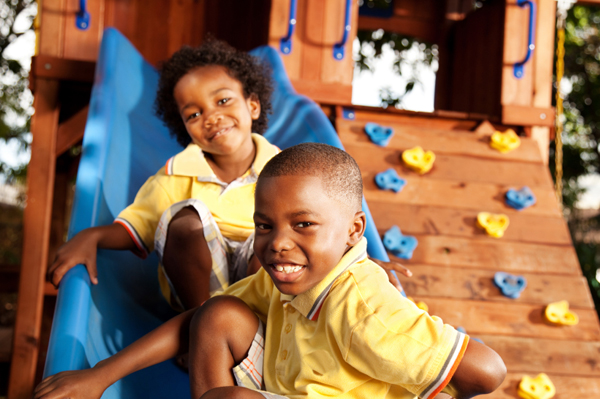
x=309 y=303
x=191 y=161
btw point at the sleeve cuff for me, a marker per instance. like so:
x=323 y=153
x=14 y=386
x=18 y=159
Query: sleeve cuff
x=452 y=361
x=142 y=250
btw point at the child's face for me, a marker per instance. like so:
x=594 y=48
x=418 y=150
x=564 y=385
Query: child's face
x=214 y=110
x=301 y=233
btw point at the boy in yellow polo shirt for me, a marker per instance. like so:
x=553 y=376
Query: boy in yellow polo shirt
x=335 y=327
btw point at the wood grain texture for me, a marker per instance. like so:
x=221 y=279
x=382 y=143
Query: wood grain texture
x=455 y=167
x=537 y=355
x=479 y=197
x=439 y=140
x=511 y=319
x=474 y=284
x=414 y=219
x=567 y=387
x=83 y=44
x=494 y=255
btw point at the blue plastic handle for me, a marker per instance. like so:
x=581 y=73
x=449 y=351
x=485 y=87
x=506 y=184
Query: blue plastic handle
x=338 y=48
x=519 y=67
x=82 y=19
x=286 y=43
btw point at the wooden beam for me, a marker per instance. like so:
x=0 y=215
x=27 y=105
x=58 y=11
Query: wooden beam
x=70 y=132
x=425 y=30
x=44 y=66
x=527 y=116
x=326 y=93
x=36 y=232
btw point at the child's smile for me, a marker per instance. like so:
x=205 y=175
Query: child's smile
x=301 y=232
x=216 y=114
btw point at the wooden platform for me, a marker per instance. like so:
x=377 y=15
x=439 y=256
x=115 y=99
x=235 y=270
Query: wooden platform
x=455 y=261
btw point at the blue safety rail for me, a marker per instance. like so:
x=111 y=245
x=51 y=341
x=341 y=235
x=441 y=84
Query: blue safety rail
x=124 y=144
x=519 y=67
x=285 y=45
x=338 y=48
x=82 y=18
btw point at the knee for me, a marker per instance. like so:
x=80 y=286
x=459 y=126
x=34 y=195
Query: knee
x=185 y=226
x=223 y=313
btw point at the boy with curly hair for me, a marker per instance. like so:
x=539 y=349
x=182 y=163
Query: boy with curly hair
x=318 y=320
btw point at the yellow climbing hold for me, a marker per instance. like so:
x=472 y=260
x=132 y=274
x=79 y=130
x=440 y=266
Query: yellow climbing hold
x=418 y=160
x=539 y=387
x=558 y=313
x=493 y=224
x=505 y=142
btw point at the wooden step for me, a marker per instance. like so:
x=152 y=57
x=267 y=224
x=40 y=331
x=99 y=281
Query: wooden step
x=511 y=319
x=431 y=220
x=567 y=386
x=467 y=283
x=497 y=255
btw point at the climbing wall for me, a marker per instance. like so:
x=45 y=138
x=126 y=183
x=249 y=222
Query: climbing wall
x=455 y=261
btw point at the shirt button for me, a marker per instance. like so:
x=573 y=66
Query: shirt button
x=284 y=355
x=291 y=309
x=288 y=328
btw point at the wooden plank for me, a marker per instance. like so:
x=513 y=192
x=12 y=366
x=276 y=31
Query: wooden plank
x=512 y=319
x=83 y=44
x=311 y=30
x=278 y=28
x=43 y=66
x=70 y=132
x=567 y=387
x=480 y=197
x=543 y=61
x=36 y=228
x=324 y=93
x=52 y=28
x=335 y=70
x=536 y=355
x=527 y=115
x=414 y=219
x=463 y=283
x=426 y=30
x=494 y=255
x=436 y=139
x=373 y=160
x=6 y=335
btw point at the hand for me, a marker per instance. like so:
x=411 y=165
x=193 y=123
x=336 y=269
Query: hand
x=80 y=249
x=79 y=384
x=397 y=267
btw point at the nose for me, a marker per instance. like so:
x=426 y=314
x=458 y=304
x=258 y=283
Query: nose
x=280 y=241
x=211 y=117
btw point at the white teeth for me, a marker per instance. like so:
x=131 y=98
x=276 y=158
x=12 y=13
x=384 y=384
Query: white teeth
x=288 y=269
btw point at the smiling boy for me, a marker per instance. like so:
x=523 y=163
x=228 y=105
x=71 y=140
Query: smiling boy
x=318 y=320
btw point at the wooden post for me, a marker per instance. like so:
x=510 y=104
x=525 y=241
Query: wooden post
x=36 y=233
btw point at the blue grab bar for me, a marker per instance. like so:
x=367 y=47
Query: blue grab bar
x=338 y=48
x=519 y=67
x=82 y=19
x=286 y=43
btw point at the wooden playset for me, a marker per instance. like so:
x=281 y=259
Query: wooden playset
x=487 y=255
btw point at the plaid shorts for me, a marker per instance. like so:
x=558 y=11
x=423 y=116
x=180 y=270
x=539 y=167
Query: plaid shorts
x=229 y=258
x=248 y=373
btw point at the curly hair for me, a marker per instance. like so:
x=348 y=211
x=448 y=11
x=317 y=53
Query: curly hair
x=254 y=76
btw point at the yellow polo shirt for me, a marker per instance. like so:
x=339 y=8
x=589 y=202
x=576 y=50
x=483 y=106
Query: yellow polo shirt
x=353 y=335
x=188 y=175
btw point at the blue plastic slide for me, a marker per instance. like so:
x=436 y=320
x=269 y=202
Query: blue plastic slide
x=124 y=144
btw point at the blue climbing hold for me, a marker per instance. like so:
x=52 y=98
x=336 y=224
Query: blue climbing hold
x=378 y=134
x=511 y=286
x=398 y=244
x=389 y=180
x=520 y=199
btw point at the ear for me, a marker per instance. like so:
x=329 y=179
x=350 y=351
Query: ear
x=253 y=106
x=357 y=229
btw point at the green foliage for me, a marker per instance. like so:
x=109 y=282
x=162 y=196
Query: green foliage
x=15 y=104
x=371 y=48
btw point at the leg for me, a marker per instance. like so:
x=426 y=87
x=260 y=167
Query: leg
x=232 y=393
x=187 y=259
x=221 y=333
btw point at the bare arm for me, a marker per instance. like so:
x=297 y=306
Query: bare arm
x=165 y=342
x=480 y=371
x=83 y=247
x=388 y=267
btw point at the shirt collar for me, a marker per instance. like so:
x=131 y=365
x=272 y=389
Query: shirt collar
x=309 y=302
x=191 y=162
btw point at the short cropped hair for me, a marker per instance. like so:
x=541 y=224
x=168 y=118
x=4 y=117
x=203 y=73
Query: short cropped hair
x=338 y=171
x=254 y=76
